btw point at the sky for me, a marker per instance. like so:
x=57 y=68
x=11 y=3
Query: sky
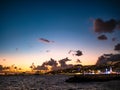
x=37 y=30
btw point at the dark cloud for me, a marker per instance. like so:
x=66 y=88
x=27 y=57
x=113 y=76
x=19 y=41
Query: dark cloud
x=106 y=58
x=16 y=49
x=117 y=47
x=47 y=51
x=118 y=26
x=45 y=40
x=114 y=39
x=75 y=53
x=78 y=61
x=78 y=53
x=72 y=52
x=51 y=62
x=63 y=62
x=101 y=26
x=102 y=37
x=41 y=68
x=54 y=64
x=69 y=51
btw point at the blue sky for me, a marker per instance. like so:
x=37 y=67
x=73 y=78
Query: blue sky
x=69 y=23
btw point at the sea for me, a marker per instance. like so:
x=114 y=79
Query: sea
x=52 y=82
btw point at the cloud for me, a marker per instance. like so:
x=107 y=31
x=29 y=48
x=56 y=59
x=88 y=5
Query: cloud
x=117 y=47
x=102 y=37
x=72 y=52
x=41 y=68
x=51 y=62
x=54 y=64
x=17 y=49
x=114 y=39
x=106 y=58
x=78 y=61
x=78 y=53
x=47 y=51
x=75 y=53
x=69 y=51
x=109 y=26
x=63 y=62
x=45 y=40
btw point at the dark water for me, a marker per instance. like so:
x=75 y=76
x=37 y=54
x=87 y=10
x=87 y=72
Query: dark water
x=52 y=82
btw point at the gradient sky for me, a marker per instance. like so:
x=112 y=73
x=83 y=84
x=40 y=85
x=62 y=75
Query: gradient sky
x=69 y=23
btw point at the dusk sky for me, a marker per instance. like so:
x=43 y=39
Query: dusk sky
x=37 y=30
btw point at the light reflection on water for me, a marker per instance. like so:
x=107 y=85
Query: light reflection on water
x=52 y=82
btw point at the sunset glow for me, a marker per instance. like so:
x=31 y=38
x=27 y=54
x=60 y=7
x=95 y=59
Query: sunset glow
x=35 y=32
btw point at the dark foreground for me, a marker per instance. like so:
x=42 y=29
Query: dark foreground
x=93 y=78
x=52 y=82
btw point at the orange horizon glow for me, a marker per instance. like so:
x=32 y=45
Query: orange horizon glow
x=24 y=61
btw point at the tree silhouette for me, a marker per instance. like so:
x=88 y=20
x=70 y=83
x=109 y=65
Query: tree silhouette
x=32 y=67
x=1 y=67
x=15 y=68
